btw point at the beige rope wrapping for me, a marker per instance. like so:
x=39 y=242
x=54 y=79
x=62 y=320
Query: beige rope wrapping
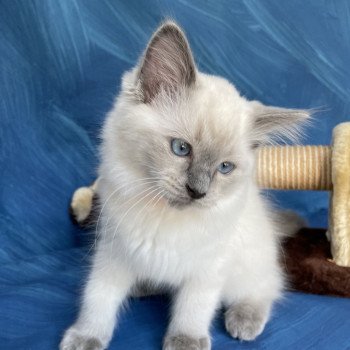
x=294 y=167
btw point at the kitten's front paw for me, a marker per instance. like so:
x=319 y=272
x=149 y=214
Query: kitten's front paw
x=244 y=321
x=72 y=340
x=184 y=342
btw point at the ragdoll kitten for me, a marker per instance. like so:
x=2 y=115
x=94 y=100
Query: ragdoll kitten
x=180 y=207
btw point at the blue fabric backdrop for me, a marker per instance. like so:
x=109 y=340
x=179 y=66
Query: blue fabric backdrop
x=60 y=68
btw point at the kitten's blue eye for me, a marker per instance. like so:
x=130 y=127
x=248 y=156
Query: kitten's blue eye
x=180 y=147
x=226 y=167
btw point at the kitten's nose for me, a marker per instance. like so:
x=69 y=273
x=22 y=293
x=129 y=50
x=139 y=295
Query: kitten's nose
x=193 y=193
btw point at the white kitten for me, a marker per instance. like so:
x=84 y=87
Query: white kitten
x=180 y=205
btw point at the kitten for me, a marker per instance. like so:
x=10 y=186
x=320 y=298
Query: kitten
x=180 y=205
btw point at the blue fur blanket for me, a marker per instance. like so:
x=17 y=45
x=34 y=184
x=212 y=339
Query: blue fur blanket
x=60 y=68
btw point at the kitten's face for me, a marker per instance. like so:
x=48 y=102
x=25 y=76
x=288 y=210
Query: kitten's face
x=194 y=145
x=189 y=134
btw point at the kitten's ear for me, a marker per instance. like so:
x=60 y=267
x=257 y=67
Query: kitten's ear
x=167 y=63
x=273 y=123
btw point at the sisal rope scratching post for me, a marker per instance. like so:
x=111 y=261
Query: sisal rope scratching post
x=295 y=168
x=322 y=168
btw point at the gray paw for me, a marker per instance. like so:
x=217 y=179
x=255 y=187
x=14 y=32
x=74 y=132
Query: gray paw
x=244 y=321
x=184 y=342
x=74 y=341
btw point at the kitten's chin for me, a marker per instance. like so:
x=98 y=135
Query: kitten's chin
x=177 y=201
x=184 y=203
x=179 y=204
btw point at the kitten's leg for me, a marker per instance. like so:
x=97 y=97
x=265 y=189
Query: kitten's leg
x=193 y=310
x=249 y=300
x=106 y=289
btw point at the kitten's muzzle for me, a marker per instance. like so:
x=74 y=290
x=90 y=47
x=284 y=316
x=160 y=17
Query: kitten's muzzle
x=193 y=193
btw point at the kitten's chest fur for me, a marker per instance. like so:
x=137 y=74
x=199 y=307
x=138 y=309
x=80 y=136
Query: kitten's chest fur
x=164 y=245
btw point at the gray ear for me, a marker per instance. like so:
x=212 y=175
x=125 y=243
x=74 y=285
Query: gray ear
x=167 y=63
x=273 y=123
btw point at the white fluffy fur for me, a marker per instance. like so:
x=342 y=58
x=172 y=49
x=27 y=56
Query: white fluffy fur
x=219 y=250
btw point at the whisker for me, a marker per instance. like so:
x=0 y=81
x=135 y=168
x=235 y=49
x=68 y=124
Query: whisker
x=131 y=199
x=118 y=189
x=126 y=213
x=150 y=191
x=136 y=183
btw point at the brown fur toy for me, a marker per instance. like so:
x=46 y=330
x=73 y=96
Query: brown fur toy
x=310 y=268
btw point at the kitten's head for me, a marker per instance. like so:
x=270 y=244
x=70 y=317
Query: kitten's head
x=191 y=136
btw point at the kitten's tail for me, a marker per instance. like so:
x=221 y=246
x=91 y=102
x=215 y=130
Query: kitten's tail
x=82 y=206
x=288 y=223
